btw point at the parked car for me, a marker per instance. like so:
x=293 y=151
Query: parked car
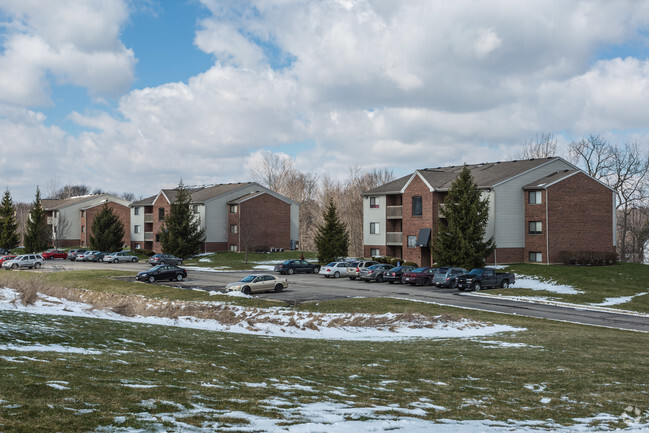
x=72 y=254
x=395 y=275
x=447 y=277
x=86 y=256
x=5 y=257
x=121 y=256
x=162 y=272
x=374 y=273
x=24 y=261
x=420 y=276
x=258 y=283
x=4 y=252
x=165 y=259
x=94 y=256
x=296 y=266
x=354 y=268
x=54 y=254
x=485 y=278
x=334 y=269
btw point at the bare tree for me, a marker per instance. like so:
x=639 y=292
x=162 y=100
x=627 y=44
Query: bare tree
x=273 y=171
x=594 y=154
x=71 y=191
x=544 y=145
x=60 y=230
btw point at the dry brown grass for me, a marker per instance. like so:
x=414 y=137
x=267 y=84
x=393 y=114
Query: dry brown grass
x=31 y=288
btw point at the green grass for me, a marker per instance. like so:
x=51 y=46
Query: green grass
x=583 y=370
x=236 y=261
x=596 y=282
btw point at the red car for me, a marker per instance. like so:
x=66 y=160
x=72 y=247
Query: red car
x=6 y=257
x=420 y=276
x=54 y=254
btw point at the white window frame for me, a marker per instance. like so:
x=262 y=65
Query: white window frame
x=375 y=252
x=374 y=228
x=535 y=197
x=373 y=203
x=412 y=241
x=137 y=228
x=536 y=257
x=535 y=227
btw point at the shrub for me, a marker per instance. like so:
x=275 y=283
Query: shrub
x=147 y=253
x=588 y=258
x=410 y=264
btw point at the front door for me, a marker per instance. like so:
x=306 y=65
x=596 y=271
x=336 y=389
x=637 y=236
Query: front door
x=425 y=257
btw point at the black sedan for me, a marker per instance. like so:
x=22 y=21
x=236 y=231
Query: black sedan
x=162 y=272
x=296 y=266
x=420 y=276
x=395 y=275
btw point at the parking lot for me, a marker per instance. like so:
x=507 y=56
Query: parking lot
x=312 y=288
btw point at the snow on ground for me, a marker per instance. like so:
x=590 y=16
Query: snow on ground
x=619 y=300
x=533 y=283
x=279 y=321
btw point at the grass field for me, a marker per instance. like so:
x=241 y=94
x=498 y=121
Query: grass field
x=83 y=374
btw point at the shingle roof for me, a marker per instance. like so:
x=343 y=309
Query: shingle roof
x=145 y=201
x=55 y=204
x=486 y=175
x=550 y=179
x=201 y=194
x=245 y=197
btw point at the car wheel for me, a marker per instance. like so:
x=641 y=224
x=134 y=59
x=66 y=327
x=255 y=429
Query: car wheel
x=477 y=286
x=336 y=274
x=278 y=288
x=505 y=284
x=403 y=280
x=452 y=285
x=352 y=278
x=134 y=259
x=180 y=263
x=115 y=261
x=391 y=281
x=316 y=269
x=290 y=271
x=162 y=262
x=37 y=265
x=379 y=279
x=246 y=290
x=179 y=277
x=151 y=279
x=14 y=266
x=461 y=289
x=426 y=282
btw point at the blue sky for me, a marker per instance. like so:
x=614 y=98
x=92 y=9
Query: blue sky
x=131 y=96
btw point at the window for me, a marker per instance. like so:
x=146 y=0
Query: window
x=416 y=206
x=373 y=203
x=534 y=197
x=374 y=228
x=536 y=257
x=136 y=210
x=535 y=227
x=195 y=208
x=161 y=214
x=157 y=237
x=83 y=229
x=233 y=248
x=233 y=208
x=412 y=241
x=138 y=246
x=375 y=252
x=234 y=228
x=136 y=229
x=83 y=212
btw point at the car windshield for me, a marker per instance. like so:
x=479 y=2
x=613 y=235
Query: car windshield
x=287 y=262
x=155 y=268
x=332 y=264
x=248 y=279
x=419 y=270
x=375 y=267
x=476 y=272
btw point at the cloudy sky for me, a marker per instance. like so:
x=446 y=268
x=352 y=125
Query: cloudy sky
x=132 y=95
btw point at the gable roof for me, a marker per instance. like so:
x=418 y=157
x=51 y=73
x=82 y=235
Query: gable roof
x=486 y=175
x=202 y=194
x=557 y=177
x=57 y=204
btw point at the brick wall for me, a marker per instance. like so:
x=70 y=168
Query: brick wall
x=122 y=212
x=506 y=255
x=160 y=203
x=535 y=242
x=367 y=250
x=411 y=224
x=580 y=216
x=263 y=221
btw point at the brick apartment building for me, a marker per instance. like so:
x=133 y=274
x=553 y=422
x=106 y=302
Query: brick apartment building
x=234 y=216
x=70 y=219
x=537 y=209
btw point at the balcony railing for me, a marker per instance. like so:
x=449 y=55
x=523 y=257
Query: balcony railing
x=394 y=212
x=148 y=217
x=394 y=238
x=148 y=236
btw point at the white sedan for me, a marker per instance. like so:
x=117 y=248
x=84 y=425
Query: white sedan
x=334 y=269
x=258 y=283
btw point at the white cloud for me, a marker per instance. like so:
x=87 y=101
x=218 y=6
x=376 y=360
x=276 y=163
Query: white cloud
x=401 y=85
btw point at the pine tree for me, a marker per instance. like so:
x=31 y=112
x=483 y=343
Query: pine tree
x=331 y=239
x=107 y=231
x=461 y=241
x=181 y=233
x=9 y=238
x=38 y=236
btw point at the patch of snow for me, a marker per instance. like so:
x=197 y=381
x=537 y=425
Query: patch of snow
x=534 y=283
x=619 y=300
x=58 y=384
x=48 y=348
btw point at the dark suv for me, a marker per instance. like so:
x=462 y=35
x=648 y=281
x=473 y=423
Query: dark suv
x=295 y=266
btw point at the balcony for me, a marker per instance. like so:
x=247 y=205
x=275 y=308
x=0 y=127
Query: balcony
x=148 y=236
x=394 y=212
x=394 y=238
x=148 y=217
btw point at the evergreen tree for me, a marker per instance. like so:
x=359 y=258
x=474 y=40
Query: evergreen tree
x=461 y=241
x=107 y=231
x=331 y=239
x=9 y=238
x=38 y=236
x=181 y=233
